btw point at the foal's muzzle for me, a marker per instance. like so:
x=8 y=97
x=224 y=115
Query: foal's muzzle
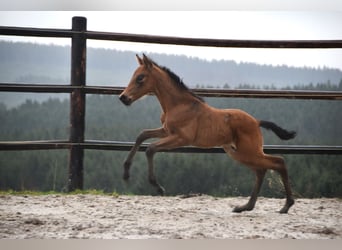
x=125 y=100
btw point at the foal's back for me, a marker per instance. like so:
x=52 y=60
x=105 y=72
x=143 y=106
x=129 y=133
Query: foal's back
x=219 y=127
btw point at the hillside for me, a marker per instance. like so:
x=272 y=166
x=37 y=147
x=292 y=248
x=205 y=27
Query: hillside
x=36 y=63
x=27 y=62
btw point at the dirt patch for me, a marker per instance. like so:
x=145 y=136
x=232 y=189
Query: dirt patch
x=148 y=217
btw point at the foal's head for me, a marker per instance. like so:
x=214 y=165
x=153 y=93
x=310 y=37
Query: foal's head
x=142 y=81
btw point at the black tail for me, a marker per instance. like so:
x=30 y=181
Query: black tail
x=280 y=132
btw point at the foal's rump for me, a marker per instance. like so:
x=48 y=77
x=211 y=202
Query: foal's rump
x=246 y=135
x=247 y=140
x=244 y=123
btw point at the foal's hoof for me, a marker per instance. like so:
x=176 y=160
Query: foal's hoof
x=240 y=209
x=161 y=191
x=237 y=210
x=285 y=209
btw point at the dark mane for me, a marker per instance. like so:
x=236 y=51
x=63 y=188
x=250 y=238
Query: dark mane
x=178 y=81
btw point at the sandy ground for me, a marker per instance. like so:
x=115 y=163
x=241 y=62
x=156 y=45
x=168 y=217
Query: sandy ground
x=148 y=217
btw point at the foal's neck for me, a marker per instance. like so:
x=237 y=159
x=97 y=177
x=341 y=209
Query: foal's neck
x=170 y=96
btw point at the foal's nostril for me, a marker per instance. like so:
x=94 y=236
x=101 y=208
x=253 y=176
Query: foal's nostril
x=125 y=100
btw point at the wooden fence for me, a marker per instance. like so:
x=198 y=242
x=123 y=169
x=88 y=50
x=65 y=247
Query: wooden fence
x=78 y=90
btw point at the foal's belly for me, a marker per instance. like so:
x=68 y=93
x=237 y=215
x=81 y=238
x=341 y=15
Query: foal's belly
x=213 y=129
x=213 y=137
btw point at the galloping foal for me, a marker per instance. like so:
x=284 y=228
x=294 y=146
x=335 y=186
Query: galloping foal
x=187 y=120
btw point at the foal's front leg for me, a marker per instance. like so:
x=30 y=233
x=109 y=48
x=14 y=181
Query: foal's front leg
x=166 y=143
x=143 y=136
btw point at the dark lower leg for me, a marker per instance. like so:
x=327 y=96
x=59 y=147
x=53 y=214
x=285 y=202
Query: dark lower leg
x=251 y=203
x=128 y=161
x=289 y=198
x=146 y=134
x=278 y=164
x=151 y=177
x=159 y=188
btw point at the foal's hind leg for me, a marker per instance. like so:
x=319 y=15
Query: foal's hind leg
x=280 y=167
x=277 y=163
x=260 y=163
x=260 y=173
x=144 y=135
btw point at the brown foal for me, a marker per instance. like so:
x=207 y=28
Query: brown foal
x=187 y=120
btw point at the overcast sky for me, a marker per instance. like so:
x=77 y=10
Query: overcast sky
x=254 y=25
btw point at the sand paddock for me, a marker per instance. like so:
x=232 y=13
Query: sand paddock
x=153 y=217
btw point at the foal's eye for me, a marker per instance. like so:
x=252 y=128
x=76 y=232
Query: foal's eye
x=140 y=78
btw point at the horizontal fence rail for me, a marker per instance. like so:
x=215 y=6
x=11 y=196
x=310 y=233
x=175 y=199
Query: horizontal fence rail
x=206 y=92
x=126 y=146
x=78 y=90
x=203 y=42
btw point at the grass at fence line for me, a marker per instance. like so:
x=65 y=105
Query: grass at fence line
x=76 y=192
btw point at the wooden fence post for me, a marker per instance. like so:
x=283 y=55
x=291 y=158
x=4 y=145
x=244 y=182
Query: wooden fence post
x=77 y=103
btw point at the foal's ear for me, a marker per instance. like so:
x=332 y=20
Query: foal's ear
x=147 y=62
x=140 y=61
